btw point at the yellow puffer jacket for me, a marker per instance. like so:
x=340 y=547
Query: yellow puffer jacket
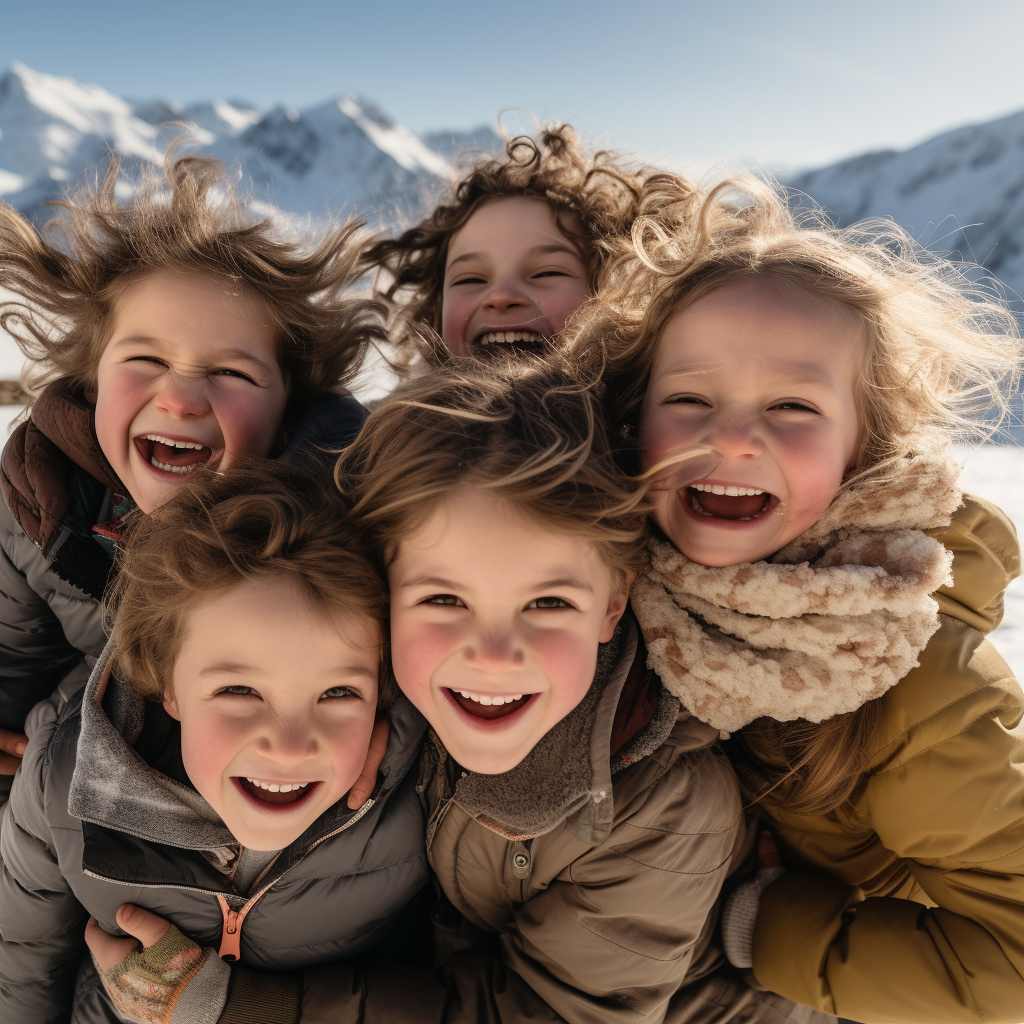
x=907 y=905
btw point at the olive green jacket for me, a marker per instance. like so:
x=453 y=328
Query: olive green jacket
x=908 y=902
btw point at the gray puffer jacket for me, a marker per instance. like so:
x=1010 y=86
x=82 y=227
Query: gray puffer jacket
x=102 y=813
x=57 y=488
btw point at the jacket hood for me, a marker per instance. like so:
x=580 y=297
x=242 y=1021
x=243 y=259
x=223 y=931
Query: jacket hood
x=567 y=777
x=149 y=797
x=986 y=557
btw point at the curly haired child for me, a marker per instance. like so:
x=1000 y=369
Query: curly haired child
x=168 y=332
x=520 y=245
x=202 y=771
x=799 y=596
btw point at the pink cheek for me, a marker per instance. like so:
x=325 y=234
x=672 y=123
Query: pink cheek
x=416 y=652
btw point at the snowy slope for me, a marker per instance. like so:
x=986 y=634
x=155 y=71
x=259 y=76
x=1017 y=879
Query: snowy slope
x=340 y=157
x=960 y=192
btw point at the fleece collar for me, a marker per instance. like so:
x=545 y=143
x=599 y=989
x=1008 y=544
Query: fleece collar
x=567 y=777
x=832 y=621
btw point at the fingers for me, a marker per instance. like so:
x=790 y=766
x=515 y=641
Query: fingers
x=146 y=927
x=363 y=787
x=12 y=746
x=768 y=851
x=106 y=948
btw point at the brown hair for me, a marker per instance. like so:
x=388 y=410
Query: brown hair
x=941 y=350
x=528 y=431
x=191 y=220
x=261 y=520
x=593 y=199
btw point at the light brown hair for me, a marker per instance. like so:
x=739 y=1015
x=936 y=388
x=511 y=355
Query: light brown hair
x=593 y=199
x=529 y=431
x=262 y=520
x=69 y=276
x=941 y=352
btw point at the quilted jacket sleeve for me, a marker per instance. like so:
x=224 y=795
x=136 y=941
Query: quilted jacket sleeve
x=41 y=922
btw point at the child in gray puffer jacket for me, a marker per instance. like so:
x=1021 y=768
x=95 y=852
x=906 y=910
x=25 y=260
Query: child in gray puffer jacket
x=202 y=772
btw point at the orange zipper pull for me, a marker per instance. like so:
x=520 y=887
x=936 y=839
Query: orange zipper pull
x=231 y=934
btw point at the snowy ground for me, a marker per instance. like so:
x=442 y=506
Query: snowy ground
x=993 y=471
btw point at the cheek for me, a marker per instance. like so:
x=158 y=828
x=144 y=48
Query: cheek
x=559 y=306
x=208 y=744
x=119 y=398
x=455 y=313
x=247 y=425
x=417 y=650
x=569 y=660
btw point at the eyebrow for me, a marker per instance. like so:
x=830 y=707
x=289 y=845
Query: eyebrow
x=225 y=353
x=793 y=374
x=237 y=668
x=539 y=250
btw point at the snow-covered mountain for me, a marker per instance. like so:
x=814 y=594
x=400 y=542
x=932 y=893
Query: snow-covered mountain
x=961 y=192
x=340 y=157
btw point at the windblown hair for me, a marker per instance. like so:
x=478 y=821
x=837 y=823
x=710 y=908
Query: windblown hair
x=529 y=431
x=262 y=520
x=593 y=199
x=941 y=352
x=68 y=277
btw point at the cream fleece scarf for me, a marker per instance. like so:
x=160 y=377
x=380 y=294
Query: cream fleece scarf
x=831 y=621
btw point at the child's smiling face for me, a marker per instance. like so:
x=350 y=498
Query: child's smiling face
x=189 y=376
x=768 y=377
x=276 y=702
x=512 y=279
x=495 y=622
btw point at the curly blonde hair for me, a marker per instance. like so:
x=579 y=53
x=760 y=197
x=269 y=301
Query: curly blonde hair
x=528 y=431
x=941 y=349
x=261 y=520
x=593 y=199
x=69 y=276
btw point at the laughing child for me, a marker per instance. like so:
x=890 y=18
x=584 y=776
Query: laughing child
x=794 y=595
x=201 y=773
x=503 y=265
x=172 y=331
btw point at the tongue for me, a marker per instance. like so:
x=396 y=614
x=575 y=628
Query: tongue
x=171 y=456
x=488 y=711
x=726 y=506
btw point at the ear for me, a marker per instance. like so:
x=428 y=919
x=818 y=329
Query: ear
x=170 y=707
x=616 y=605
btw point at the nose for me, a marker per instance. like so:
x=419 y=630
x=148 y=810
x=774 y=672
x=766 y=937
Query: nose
x=735 y=435
x=505 y=294
x=183 y=396
x=494 y=651
x=288 y=741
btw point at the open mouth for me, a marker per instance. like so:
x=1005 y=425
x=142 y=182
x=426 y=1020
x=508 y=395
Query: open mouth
x=498 y=343
x=727 y=501
x=170 y=455
x=275 y=794
x=487 y=706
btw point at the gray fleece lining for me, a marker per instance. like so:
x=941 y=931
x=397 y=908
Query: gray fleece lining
x=114 y=787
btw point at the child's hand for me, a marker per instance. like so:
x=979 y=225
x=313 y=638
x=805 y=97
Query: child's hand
x=148 y=986
x=12 y=746
x=363 y=787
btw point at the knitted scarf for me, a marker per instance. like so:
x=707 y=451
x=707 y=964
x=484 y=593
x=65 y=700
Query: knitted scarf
x=828 y=623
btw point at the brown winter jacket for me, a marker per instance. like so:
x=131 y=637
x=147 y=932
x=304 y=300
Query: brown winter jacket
x=908 y=903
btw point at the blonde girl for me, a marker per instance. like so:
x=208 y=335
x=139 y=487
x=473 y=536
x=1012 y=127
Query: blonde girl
x=797 y=599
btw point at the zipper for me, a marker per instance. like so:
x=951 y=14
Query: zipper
x=231 y=929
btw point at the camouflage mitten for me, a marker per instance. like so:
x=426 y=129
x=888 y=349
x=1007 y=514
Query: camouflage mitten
x=171 y=982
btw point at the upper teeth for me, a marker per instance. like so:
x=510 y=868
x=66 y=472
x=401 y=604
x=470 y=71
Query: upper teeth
x=507 y=337
x=733 y=492
x=172 y=444
x=275 y=787
x=483 y=698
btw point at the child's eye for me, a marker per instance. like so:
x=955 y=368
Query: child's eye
x=237 y=691
x=687 y=400
x=476 y=279
x=339 y=691
x=794 y=407
x=146 y=359
x=552 y=273
x=226 y=371
x=548 y=602
x=449 y=600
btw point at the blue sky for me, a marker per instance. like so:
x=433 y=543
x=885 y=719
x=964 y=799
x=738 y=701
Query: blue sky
x=788 y=83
